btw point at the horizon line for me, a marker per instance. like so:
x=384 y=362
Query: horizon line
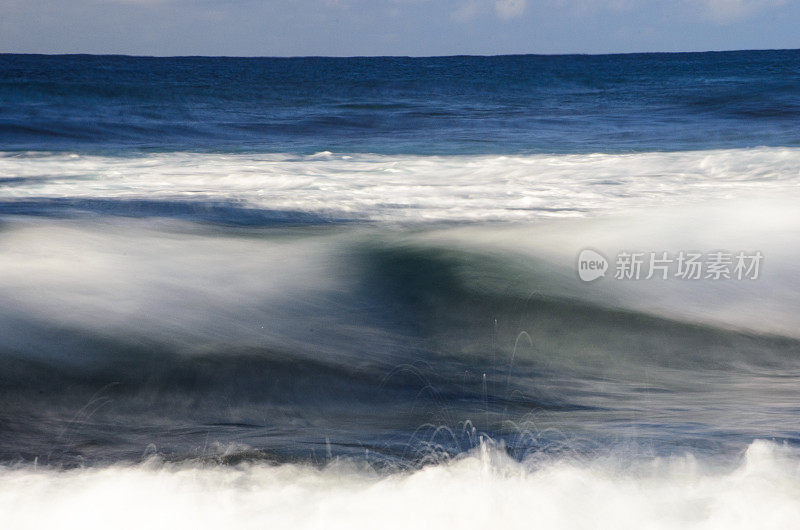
x=190 y=56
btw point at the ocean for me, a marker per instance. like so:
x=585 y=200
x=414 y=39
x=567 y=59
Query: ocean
x=400 y=292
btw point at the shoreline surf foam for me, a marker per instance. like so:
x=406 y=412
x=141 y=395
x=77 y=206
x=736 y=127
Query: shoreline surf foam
x=475 y=490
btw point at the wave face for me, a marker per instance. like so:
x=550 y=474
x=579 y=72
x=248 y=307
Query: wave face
x=343 y=293
x=127 y=335
x=446 y=105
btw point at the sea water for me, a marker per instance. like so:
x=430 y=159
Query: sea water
x=338 y=293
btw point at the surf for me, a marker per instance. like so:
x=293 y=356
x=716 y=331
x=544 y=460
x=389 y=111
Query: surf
x=484 y=487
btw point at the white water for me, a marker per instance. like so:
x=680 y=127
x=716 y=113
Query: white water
x=414 y=188
x=192 y=285
x=483 y=489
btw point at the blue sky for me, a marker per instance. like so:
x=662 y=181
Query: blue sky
x=394 y=27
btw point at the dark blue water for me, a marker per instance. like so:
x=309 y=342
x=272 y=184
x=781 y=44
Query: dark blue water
x=506 y=104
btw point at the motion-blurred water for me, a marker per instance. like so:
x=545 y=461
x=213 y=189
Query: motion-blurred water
x=264 y=279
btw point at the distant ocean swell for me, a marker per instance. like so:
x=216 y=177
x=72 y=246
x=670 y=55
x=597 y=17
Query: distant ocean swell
x=402 y=105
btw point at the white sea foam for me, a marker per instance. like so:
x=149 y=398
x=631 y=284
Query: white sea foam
x=484 y=489
x=413 y=188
